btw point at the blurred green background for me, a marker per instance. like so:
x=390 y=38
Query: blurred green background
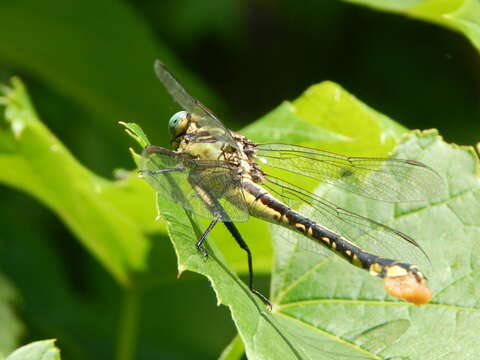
x=89 y=64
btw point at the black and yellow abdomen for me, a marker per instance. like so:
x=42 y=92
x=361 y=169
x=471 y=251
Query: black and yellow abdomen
x=402 y=280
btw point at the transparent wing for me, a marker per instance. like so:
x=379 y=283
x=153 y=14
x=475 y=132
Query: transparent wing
x=392 y=180
x=207 y=188
x=202 y=114
x=368 y=234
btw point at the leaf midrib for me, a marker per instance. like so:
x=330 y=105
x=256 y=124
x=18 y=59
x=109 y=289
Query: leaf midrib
x=372 y=303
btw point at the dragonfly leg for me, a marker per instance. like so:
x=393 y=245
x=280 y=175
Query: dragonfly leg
x=200 y=241
x=160 y=171
x=238 y=238
x=152 y=149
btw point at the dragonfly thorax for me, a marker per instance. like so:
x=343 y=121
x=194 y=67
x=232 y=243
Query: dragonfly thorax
x=206 y=144
x=200 y=143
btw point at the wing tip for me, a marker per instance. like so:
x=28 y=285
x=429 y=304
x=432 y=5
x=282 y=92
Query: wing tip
x=159 y=67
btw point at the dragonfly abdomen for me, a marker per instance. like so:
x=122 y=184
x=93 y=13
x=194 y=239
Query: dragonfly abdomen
x=265 y=206
x=358 y=257
x=401 y=279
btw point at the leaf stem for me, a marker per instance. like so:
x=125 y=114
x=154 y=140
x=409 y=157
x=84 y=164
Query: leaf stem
x=128 y=329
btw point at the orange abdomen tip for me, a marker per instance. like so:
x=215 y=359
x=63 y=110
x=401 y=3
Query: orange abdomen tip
x=408 y=287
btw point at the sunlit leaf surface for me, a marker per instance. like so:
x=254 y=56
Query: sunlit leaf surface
x=337 y=300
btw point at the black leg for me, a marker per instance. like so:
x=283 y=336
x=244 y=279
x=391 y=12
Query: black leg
x=200 y=241
x=152 y=149
x=238 y=238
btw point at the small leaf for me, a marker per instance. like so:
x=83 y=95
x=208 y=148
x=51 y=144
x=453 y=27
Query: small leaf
x=38 y=350
x=136 y=133
x=139 y=136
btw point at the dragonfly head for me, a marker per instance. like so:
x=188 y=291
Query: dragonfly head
x=178 y=123
x=178 y=126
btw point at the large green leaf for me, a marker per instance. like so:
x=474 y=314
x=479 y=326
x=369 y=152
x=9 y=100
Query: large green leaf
x=336 y=300
x=38 y=350
x=110 y=217
x=460 y=15
x=323 y=308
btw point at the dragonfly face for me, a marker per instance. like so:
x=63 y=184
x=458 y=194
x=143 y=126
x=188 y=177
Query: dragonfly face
x=213 y=172
x=178 y=123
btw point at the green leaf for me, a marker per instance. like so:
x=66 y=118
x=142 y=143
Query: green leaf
x=324 y=308
x=11 y=328
x=136 y=133
x=111 y=218
x=459 y=15
x=327 y=294
x=38 y=350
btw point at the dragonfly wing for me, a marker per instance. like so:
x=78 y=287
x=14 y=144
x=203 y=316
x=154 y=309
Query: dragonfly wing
x=392 y=180
x=207 y=188
x=222 y=190
x=367 y=234
x=204 y=116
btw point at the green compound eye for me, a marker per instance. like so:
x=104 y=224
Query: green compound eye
x=175 y=120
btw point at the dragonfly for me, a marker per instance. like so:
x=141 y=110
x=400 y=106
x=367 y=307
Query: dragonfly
x=221 y=175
